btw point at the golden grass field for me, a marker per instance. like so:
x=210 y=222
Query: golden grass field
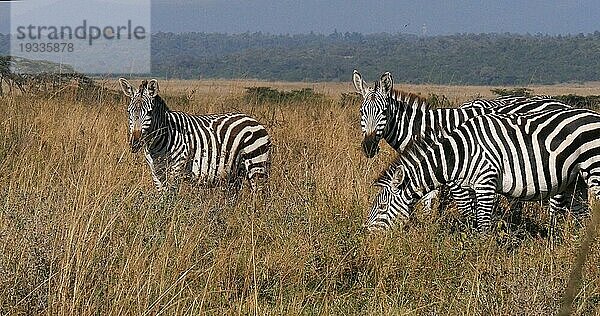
x=84 y=232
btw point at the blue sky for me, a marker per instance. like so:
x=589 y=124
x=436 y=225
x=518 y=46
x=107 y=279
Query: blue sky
x=431 y=17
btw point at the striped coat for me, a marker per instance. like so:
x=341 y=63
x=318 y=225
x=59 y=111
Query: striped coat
x=529 y=157
x=212 y=149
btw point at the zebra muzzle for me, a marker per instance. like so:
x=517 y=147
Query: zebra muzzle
x=370 y=145
x=373 y=228
x=135 y=141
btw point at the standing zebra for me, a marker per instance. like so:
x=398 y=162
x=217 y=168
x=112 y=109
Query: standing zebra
x=399 y=117
x=529 y=157
x=213 y=149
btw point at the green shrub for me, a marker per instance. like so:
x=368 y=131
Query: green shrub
x=268 y=94
x=589 y=102
x=522 y=92
x=438 y=101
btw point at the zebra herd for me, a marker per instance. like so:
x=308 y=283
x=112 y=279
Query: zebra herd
x=526 y=148
x=530 y=149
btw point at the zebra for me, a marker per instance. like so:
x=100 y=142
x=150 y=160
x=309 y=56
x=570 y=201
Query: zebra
x=529 y=157
x=213 y=149
x=398 y=117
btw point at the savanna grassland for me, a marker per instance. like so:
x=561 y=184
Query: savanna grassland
x=83 y=231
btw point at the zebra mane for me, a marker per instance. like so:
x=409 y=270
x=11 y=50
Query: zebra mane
x=160 y=103
x=410 y=99
x=143 y=85
x=417 y=146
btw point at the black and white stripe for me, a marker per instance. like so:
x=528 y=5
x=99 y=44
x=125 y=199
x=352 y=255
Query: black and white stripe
x=212 y=149
x=529 y=157
x=493 y=103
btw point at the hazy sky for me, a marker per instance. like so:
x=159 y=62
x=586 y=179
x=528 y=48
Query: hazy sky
x=373 y=16
x=431 y=17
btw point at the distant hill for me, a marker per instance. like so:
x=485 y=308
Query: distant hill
x=457 y=59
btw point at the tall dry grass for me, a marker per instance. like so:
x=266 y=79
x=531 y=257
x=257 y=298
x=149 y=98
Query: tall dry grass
x=83 y=231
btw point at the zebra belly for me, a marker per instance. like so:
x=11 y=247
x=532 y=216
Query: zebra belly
x=528 y=188
x=203 y=169
x=200 y=159
x=205 y=160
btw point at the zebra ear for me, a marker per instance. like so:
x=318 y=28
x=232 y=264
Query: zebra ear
x=126 y=87
x=379 y=183
x=359 y=84
x=398 y=176
x=386 y=84
x=152 y=88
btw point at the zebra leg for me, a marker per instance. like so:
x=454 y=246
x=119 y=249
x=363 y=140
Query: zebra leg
x=485 y=203
x=485 y=195
x=256 y=171
x=573 y=200
x=580 y=208
x=159 y=173
x=576 y=200
x=465 y=201
x=428 y=200
x=558 y=204
x=444 y=197
x=236 y=177
x=593 y=183
x=157 y=183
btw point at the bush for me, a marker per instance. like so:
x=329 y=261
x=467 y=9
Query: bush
x=351 y=99
x=268 y=94
x=589 y=102
x=520 y=92
x=438 y=101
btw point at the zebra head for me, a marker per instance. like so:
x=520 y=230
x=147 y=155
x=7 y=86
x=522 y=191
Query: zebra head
x=373 y=110
x=139 y=110
x=395 y=198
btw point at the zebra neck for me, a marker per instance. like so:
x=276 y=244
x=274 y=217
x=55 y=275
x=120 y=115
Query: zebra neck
x=160 y=129
x=392 y=116
x=431 y=121
x=404 y=121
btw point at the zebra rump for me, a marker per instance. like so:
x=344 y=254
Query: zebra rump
x=211 y=149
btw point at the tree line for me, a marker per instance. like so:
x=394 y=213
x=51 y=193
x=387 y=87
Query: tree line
x=493 y=59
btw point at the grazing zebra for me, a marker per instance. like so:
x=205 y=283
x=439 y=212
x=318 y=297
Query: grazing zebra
x=399 y=117
x=213 y=149
x=529 y=157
